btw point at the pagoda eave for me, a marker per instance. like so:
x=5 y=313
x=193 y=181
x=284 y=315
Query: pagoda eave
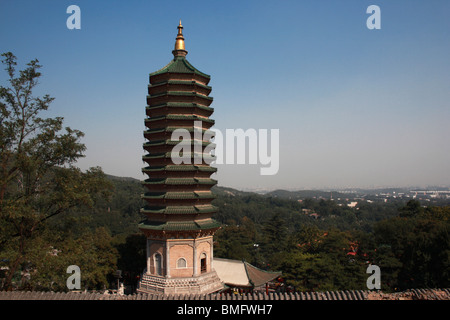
x=179 y=107
x=178 y=195
x=173 y=230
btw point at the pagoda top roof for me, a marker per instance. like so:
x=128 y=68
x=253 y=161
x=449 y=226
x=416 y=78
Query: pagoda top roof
x=179 y=64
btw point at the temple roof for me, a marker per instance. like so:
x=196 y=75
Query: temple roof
x=236 y=273
x=180 y=64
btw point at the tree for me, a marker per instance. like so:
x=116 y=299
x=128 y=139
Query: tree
x=324 y=260
x=132 y=257
x=92 y=252
x=411 y=209
x=274 y=240
x=38 y=179
x=236 y=241
x=414 y=248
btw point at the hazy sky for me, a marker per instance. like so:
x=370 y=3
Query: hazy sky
x=354 y=107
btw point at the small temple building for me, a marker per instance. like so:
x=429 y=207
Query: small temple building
x=179 y=227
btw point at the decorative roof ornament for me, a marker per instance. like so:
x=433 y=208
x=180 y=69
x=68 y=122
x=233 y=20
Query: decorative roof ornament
x=179 y=43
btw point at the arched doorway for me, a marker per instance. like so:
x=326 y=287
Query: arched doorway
x=203 y=263
x=158 y=264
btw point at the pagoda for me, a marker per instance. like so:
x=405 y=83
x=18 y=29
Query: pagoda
x=179 y=227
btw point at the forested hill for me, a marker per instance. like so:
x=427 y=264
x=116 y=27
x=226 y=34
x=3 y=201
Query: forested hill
x=125 y=179
x=318 y=240
x=356 y=210
x=306 y=207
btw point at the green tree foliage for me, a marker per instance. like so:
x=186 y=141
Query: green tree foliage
x=37 y=178
x=324 y=260
x=237 y=241
x=414 y=248
x=411 y=209
x=131 y=257
x=273 y=242
x=93 y=252
x=409 y=242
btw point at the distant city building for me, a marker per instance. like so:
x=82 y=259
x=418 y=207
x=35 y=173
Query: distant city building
x=352 y=204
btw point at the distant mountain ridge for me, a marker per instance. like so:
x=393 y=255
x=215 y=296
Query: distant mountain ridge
x=303 y=194
x=117 y=178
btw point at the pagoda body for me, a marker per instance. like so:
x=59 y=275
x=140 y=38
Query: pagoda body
x=179 y=225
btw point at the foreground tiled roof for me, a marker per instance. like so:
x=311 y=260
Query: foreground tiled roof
x=415 y=294
x=260 y=277
x=237 y=273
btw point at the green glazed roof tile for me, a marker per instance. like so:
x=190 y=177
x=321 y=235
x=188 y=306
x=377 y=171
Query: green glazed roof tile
x=186 y=167
x=179 y=65
x=179 y=93
x=210 y=133
x=180 y=105
x=193 y=155
x=179 y=181
x=178 y=195
x=179 y=209
x=179 y=226
x=179 y=117
x=185 y=82
x=176 y=142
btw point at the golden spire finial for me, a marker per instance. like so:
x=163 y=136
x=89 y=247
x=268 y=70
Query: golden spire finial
x=179 y=43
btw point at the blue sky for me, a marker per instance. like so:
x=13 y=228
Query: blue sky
x=355 y=107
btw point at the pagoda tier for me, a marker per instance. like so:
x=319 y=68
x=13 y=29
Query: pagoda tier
x=178 y=97
x=164 y=146
x=178 y=86
x=177 y=120
x=179 y=108
x=166 y=133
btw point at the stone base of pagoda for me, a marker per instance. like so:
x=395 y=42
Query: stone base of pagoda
x=203 y=284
